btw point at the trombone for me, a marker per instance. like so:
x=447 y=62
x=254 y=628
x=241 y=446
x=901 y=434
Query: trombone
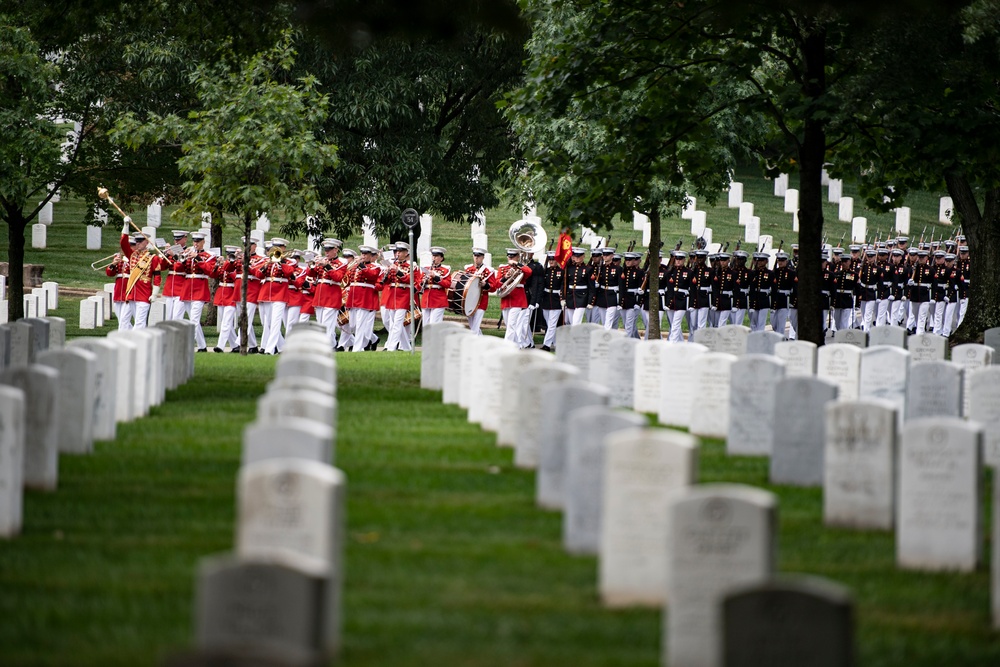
x=105 y=262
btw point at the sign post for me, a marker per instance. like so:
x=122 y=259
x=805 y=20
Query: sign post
x=410 y=219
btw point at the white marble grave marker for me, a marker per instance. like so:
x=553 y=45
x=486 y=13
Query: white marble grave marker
x=735 y=194
x=677 y=364
x=11 y=459
x=984 y=408
x=751 y=405
x=710 y=392
x=841 y=364
x=846 y=209
x=646 y=394
x=799 y=434
x=41 y=431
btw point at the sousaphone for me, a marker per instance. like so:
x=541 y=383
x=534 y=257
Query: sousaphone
x=529 y=237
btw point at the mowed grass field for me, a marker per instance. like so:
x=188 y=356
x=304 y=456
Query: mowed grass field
x=448 y=561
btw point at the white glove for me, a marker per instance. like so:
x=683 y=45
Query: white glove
x=125 y=228
x=589 y=306
x=128 y=220
x=636 y=307
x=533 y=306
x=892 y=298
x=562 y=304
x=946 y=299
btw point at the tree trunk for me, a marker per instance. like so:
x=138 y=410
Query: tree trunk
x=812 y=154
x=16 y=225
x=982 y=233
x=653 y=328
x=244 y=325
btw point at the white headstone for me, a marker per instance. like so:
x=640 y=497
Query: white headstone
x=154 y=214
x=780 y=185
x=751 y=404
x=484 y=409
x=835 y=190
x=301 y=402
x=946 y=207
x=841 y=364
x=859 y=465
x=586 y=431
x=938 y=520
x=763 y=342
x=512 y=376
x=706 y=234
x=41 y=431
x=710 y=394
x=573 y=345
x=927 y=347
x=451 y=384
x=106 y=383
x=527 y=447
x=746 y=213
x=677 y=371
x=984 y=408
x=474 y=351
x=646 y=392
x=621 y=372
x=799 y=433
x=600 y=342
x=859 y=229
x=887 y=335
x=846 y=210
x=903 y=220
x=934 y=390
x=38 y=236
x=639 y=221
x=45 y=214
x=559 y=400
x=93 y=238
x=884 y=374
x=263 y=223
x=294 y=438
x=690 y=206
x=77 y=370
x=699 y=220
x=643 y=469
x=12 y=437
x=791 y=200
x=424 y=242
x=722 y=536
x=732 y=339
x=971 y=357
x=752 y=233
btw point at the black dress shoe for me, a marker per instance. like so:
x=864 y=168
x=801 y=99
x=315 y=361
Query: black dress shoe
x=338 y=349
x=253 y=350
x=217 y=349
x=235 y=350
x=546 y=348
x=203 y=349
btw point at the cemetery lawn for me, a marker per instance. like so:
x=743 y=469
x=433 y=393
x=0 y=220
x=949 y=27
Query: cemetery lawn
x=448 y=561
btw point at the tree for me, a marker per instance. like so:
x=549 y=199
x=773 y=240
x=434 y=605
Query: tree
x=252 y=145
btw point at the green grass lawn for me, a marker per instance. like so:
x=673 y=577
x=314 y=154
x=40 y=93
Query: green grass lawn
x=448 y=560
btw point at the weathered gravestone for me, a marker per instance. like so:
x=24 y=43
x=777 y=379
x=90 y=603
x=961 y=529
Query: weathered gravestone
x=141 y=363
x=306 y=365
x=927 y=347
x=294 y=438
x=57 y=332
x=41 y=430
x=558 y=400
x=600 y=343
x=677 y=368
x=722 y=536
x=89 y=313
x=971 y=357
x=621 y=372
x=708 y=336
x=512 y=376
x=799 y=357
x=40 y=335
x=934 y=390
x=763 y=342
x=4 y=347
x=573 y=346
x=586 y=430
x=789 y=621
x=246 y=611
x=11 y=460
x=751 y=404
x=107 y=391
x=939 y=512
x=984 y=408
x=859 y=486
x=278 y=404
x=646 y=390
x=643 y=468
x=160 y=351
x=21 y=343
x=291 y=512
x=527 y=446
x=474 y=351
x=887 y=335
x=800 y=430
x=432 y=354
x=487 y=394
x=733 y=339
x=77 y=370
x=451 y=385
x=854 y=337
x=991 y=337
x=884 y=374
x=841 y=364
x=710 y=394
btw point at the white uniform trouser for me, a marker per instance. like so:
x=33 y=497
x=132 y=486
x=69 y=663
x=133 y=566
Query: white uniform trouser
x=867 y=315
x=551 y=321
x=778 y=319
x=897 y=313
x=793 y=322
x=179 y=308
x=227 y=333
x=575 y=315
x=517 y=320
x=170 y=302
x=911 y=315
x=940 y=307
x=265 y=321
x=274 y=341
x=399 y=336
x=675 y=319
x=124 y=311
x=193 y=310
x=758 y=319
x=327 y=318
x=597 y=315
x=631 y=317
x=433 y=315
x=737 y=315
x=251 y=334
x=963 y=305
x=697 y=319
x=843 y=318
x=292 y=316
x=950 y=318
x=363 y=324
x=142 y=314
x=645 y=320
x=347 y=333
x=592 y=316
x=612 y=317
x=920 y=312
x=882 y=313
x=476 y=321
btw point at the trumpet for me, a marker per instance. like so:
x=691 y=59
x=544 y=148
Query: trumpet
x=105 y=262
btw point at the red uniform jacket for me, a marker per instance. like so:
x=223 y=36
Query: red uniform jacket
x=295 y=288
x=274 y=279
x=197 y=271
x=395 y=285
x=143 y=288
x=438 y=282
x=253 y=287
x=119 y=271
x=518 y=298
x=328 y=293
x=175 y=281
x=363 y=290
x=225 y=293
x=491 y=281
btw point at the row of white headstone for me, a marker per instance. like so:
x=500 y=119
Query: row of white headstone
x=626 y=491
x=277 y=597
x=59 y=396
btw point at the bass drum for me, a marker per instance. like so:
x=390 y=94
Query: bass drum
x=464 y=295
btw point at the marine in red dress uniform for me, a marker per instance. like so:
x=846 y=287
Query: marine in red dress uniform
x=515 y=305
x=487 y=278
x=395 y=283
x=436 y=283
x=362 y=300
x=143 y=265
